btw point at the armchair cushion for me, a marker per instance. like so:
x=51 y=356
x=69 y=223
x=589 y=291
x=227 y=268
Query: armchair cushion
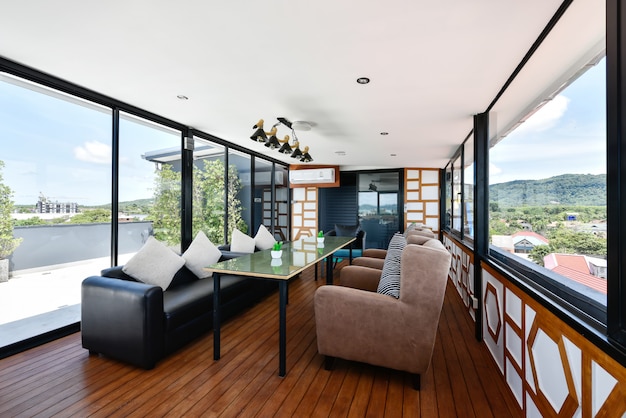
x=372 y=262
x=154 y=264
x=360 y=277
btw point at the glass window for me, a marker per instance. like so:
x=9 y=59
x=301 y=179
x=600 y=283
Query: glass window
x=448 y=197
x=468 y=188
x=547 y=187
x=263 y=209
x=55 y=196
x=149 y=185
x=457 y=194
x=378 y=207
x=208 y=190
x=239 y=193
x=281 y=226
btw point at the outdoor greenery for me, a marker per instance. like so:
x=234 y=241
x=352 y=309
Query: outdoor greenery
x=164 y=208
x=566 y=189
x=564 y=209
x=8 y=243
x=208 y=202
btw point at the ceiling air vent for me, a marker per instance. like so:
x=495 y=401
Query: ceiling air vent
x=314 y=175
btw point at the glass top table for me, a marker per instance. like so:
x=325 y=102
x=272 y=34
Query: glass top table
x=296 y=257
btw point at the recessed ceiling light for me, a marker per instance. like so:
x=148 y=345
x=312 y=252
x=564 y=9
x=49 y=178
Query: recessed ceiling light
x=384 y=133
x=362 y=80
x=182 y=97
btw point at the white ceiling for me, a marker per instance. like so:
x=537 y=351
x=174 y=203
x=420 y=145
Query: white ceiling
x=432 y=65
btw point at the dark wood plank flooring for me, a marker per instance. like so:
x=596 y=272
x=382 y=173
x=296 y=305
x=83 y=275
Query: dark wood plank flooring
x=62 y=379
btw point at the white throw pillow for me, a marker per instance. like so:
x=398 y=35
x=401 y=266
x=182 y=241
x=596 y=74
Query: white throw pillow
x=241 y=243
x=154 y=264
x=263 y=239
x=201 y=253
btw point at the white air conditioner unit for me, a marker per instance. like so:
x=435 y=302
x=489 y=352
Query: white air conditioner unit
x=313 y=175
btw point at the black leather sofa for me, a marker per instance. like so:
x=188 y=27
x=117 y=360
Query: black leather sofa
x=140 y=324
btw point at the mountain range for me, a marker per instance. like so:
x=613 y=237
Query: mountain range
x=566 y=189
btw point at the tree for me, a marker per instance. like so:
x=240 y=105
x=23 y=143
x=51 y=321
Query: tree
x=209 y=202
x=91 y=216
x=539 y=252
x=566 y=241
x=165 y=214
x=8 y=243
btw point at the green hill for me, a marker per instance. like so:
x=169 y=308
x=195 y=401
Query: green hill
x=566 y=189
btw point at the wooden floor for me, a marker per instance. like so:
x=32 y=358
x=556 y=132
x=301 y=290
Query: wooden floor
x=61 y=379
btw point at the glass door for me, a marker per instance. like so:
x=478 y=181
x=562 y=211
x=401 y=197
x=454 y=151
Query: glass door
x=378 y=207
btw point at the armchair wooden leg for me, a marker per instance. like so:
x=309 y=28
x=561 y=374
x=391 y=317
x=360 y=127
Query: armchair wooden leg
x=417 y=381
x=329 y=362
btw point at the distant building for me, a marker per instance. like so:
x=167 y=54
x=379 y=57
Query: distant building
x=588 y=271
x=504 y=242
x=525 y=241
x=44 y=205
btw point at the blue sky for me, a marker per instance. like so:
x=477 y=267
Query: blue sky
x=63 y=149
x=567 y=135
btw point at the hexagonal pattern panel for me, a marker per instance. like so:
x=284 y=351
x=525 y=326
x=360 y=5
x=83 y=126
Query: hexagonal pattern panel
x=551 y=371
x=492 y=311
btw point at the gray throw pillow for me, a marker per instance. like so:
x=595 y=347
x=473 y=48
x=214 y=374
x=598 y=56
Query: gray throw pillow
x=154 y=264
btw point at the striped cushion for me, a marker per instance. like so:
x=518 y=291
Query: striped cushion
x=389 y=283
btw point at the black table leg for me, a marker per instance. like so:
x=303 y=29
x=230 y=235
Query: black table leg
x=216 y=316
x=282 y=337
x=329 y=269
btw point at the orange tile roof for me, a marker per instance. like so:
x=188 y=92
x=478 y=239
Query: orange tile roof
x=588 y=280
x=574 y=267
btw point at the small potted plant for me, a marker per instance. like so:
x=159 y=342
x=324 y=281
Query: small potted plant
x=320 y=237
x=277 y=250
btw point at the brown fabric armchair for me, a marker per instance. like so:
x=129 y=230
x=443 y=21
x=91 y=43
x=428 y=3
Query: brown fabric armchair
x=375 y=257
x=353 y=322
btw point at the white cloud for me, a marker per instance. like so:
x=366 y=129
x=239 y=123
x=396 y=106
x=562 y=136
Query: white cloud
x=547 y=116
x=494 y=170
x=93 y=152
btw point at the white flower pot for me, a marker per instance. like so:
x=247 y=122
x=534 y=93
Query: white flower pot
x=277 y=254
x=320 y=240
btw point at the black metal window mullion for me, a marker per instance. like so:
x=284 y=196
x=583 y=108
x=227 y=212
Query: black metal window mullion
x=616 y=170
x=186 y=198
x=481 y=209
x=115 y=175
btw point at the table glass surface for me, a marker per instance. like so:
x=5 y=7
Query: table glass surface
x=296 y=256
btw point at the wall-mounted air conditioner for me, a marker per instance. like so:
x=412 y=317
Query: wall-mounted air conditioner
x=313 y=175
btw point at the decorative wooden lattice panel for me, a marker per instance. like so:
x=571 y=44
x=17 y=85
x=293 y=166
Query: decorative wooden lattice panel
x=421 y=197
x=304 y=212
